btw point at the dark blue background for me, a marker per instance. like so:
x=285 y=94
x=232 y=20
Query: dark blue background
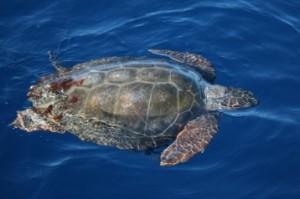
x=253 y=44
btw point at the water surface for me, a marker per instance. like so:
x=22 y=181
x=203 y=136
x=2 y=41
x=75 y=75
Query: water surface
x=253 y=45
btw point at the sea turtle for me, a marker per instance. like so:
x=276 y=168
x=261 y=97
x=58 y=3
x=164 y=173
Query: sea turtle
x=135 y=103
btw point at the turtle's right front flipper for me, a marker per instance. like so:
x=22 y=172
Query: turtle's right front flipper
x=200 y=63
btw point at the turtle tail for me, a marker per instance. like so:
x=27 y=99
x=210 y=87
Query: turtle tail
x=228 y=98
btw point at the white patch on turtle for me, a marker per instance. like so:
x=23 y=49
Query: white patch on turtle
x=93 y=78
x=120 y=76
x=212 y=93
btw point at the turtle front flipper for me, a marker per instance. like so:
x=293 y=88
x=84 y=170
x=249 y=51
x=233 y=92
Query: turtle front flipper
x=200 y=63
x=191 y=140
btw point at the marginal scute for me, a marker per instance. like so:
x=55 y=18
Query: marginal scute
x=121 y=75
x=93 y=79
x=154 y=75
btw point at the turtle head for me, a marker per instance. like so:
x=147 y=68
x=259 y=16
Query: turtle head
x=227 y=98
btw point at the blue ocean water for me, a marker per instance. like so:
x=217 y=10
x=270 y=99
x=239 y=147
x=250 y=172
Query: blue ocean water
x=253 y=45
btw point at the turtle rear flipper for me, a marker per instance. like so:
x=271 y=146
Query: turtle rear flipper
x=56 y=63
x=191 y=140
x=200 y=63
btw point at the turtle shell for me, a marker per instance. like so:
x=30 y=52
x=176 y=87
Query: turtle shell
x=134 y=99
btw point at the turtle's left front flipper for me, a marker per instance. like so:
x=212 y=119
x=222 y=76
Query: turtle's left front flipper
x=194 y=60
x=191 y=140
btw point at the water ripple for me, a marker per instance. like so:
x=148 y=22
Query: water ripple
x=281 y=115
x=253 y=45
